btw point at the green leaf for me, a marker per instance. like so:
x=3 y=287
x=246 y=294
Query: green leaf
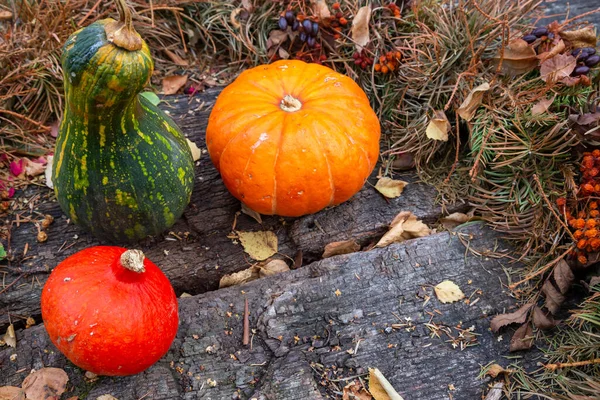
x=152 y=97
x=2 y=252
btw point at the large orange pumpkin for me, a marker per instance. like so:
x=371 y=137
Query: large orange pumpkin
x=292 y=138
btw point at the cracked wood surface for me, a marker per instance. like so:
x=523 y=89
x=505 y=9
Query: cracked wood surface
x=196 y=263
x=299 y=323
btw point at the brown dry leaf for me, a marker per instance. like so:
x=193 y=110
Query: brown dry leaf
x=404 y=226
x=472 y=102
x=403 y=161
x=276 y=37
x=283 y=54
x=541 y=320
x=237 y=278
x=171 y=84
x=585 y=37
x=320 y=9
x=390 y=188
x=522 y=338
x=455 y=219
x=517 y=317
x=29 y=322
x=106 y=397
x=542 y=106
x=448 y=292
x=251 y=213
x=357 y=392
x=259 y=245
x=557 y=68
x=438 y=127
x=175 y=58
x=556 y=49
x=5 y=15
x=9 y=337
x=194 y=149
x=11 y=393
x=563 y=276
x=494 y=370
x=553 y=297
x=360 y=27
x=594 y=281
x=45 y=384
x=337 y=248
x=32 y=168
x=519 y=58
x=273 y=267
x=380 y=388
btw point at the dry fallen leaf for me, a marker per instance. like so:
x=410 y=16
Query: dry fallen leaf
x=404 y=226
x=5 y=15
x=357 y=392
x=448 y=292
x=360 y=27
x=45 y=384
x=320 y=9
x=276 y=37
x=563 y=276
x=171 y=84
x=542 y=106
x=556 y=49
x=541 y=320
x=455 y=219
x=106 y=397
x=11 y=393
x=337 y=248
x=273 y=267
x=251 y=213
x=517 y=317
x=380 y=388
x=494 y=370
x=9 y=337
x=237 y=278
x=438 y=127
x=522 y=338
x=259 y=245
x=472 y=102
x=29 y=322
x=585 y=37
x=519 y=58
x=390 y=188
x=194 y=149
x=558 y=67
x=175 y=58
x=553 y=297
x=33 y=168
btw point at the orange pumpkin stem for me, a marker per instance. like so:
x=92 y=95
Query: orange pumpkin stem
x=121 y=32
x=133 y=260
x=290 y=104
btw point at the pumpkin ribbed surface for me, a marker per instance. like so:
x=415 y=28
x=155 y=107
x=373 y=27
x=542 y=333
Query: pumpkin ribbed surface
x=292 y=138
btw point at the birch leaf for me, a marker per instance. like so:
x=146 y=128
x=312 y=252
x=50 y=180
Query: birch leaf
x=470 y=105
x=360 y=27
x=438 y=127
x=390 y=188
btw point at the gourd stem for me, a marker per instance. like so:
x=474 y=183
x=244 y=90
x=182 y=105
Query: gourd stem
x=133 y=260
x=121 y=32
x=290 y=104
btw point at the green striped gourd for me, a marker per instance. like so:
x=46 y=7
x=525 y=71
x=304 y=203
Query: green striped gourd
x=122 y=169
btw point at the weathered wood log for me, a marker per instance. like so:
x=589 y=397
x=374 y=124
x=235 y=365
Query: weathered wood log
x=201 y=253
x=316 y=326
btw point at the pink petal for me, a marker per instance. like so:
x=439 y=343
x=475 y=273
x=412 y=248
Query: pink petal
x=16 y=167
x=11 y=192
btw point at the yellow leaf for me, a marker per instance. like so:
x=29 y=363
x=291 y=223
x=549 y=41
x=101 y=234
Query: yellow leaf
x=438 y=127
x=259 y=245
x=171 y=84
x=237 y=278
x=273 y=267
x=448 y=292
x=390 y=188
x=194 y=149
x=360 y=27
x=338 y=292
x=472 y=102
x=9 y=337
x=337 y=248
x=404 y=226
x=380 y=388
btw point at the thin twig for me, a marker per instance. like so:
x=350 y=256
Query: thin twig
x=246 y=337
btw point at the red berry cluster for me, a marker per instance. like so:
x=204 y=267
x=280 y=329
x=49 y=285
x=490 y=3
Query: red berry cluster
x=362 y=59
x=388 y=62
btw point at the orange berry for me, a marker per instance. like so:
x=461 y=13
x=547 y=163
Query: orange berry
x=593 y=172
x=582 y=259
x=343 y=21
x=588 y=188
x=377 y=67
x=572 y=222
x=578 y=234
x=391 y=66
x=337 y=36
x=590 y=223
x=595 y=213
x=561 y=201
x=591 y=233
x=382 y=59
x=596 y=188
x=384 y=69
x=336 y=6
x=581 y=243
x=398 y=55
x=389 y=56
x=596 y=153
x=593 y=205
x=595 y=244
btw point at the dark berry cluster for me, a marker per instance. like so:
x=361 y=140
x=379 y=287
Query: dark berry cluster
x=308 y=29
x=362 y=59
x=388 y=62
x=586 y=59
x=538 y=33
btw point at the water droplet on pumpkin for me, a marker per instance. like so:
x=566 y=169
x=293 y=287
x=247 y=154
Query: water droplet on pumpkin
x=315 y=170
x=301 y=192
x=268 y=197
x=304 y=150
x=67 y=279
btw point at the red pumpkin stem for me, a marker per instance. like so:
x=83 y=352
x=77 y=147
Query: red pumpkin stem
x=121 y=32
x=290 y=104
x=133 y=260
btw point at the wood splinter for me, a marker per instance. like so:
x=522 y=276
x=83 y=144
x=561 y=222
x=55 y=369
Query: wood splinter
x=246 y=337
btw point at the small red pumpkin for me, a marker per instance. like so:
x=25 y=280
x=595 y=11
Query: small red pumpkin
x=292 y=138
x=110 y=310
